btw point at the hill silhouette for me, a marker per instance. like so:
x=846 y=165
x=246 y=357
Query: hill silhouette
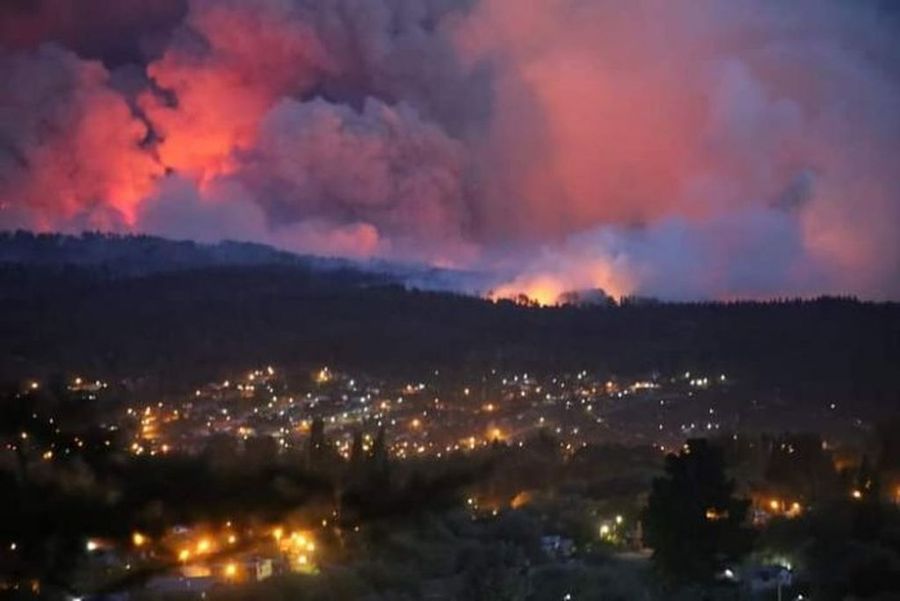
x=183 y=314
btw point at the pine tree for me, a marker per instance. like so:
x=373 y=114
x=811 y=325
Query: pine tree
x=357 y=453
x=317 y=445
x=692 y=521
x=379 y=459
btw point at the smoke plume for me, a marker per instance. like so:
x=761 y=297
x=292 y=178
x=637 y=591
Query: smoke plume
x=712 y=149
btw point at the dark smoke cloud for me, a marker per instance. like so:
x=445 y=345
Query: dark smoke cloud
x=718 y=148
x=179 y=210
x=381 y=165
x=113 y=31
x=70 y=148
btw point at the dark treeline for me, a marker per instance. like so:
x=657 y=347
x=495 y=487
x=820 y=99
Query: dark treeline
x=183 y=327
x=140 y=254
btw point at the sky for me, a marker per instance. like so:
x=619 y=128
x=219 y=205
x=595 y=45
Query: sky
x=711 y=149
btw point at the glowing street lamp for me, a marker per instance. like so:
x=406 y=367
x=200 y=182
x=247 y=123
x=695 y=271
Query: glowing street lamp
x=231 y=571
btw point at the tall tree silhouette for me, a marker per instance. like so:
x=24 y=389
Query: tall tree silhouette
x=317 y=445
x=380 y=457
x=692 y=521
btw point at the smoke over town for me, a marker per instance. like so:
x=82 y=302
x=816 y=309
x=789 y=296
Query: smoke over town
x=711 y=149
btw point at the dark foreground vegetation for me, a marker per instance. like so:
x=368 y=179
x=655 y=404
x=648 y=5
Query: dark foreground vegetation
x=629 y=523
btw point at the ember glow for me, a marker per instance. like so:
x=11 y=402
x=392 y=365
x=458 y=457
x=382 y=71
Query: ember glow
x=711 y=149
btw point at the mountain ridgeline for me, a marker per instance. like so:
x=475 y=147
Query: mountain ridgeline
x=183 y=313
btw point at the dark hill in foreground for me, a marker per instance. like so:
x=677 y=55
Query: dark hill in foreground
x=200 y=321
x=136 y=255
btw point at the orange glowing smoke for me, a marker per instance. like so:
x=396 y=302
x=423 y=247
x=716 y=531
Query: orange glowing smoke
x=255 y=55
x=125 y=174
x=547 y=286
x=545 y=290
x=77 y=145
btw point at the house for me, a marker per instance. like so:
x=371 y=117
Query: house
x=557 y=547
x=766 y=578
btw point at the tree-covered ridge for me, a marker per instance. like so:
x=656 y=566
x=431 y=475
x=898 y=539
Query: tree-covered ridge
x=187 y=325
